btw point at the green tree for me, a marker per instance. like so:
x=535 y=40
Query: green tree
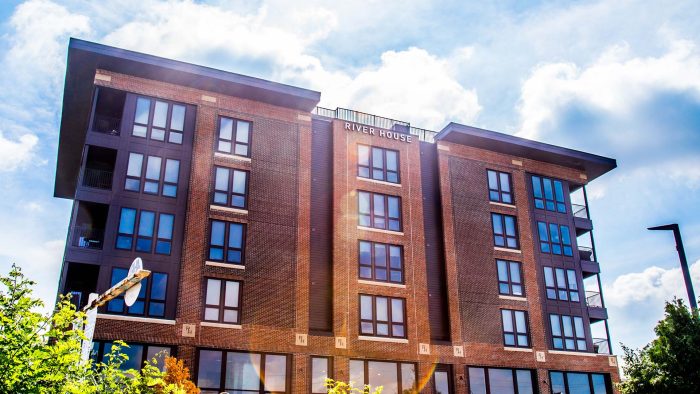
x=41 y=354
x=340 y=387
x=671 y=362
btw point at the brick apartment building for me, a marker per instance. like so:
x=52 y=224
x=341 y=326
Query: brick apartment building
x=289 y=242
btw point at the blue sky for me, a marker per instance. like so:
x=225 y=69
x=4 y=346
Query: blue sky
x=617 y=78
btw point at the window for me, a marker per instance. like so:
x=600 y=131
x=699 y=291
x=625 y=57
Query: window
x=561 y=284
x=137 y=353
x=379 y=211
x=320 y=371
x=234 y=137
x=240 y=372
x=155 y=171
x=554 y=239
x=510 y=280
x=151 y=298
x=579 y=383
x=222 y=302
x=227 y=242
x=159 y=120
x=145 y=235
x=500 y=187
x=231 y=187
x=442 y=379
x=501 y=381
x=394 y=377
x=378 y=163
x=381 y=262
x=548 y=194
x=505 y=232
x=515 y=332
x=382 y=316
x=567 y=332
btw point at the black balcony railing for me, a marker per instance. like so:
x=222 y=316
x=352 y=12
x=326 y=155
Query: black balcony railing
x=106 y=124
x=100 y=179
x=376 y=121
x=593 y=299
x=87 y=237
x=586 y=253
x=580 y=211
x=601 y=346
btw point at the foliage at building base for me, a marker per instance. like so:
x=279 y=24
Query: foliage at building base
x=42 y=354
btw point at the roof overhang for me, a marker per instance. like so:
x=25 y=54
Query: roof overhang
x=85 y=57
x=592 y=165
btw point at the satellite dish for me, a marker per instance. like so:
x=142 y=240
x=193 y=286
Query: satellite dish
x=132 y=294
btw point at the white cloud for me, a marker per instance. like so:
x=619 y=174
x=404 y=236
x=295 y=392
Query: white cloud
x=653 y=285
x=16 y=153
x=616 y=83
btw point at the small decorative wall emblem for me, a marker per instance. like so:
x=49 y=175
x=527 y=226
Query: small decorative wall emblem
x=340 y=343
x=458 y=351
x=189 y=330
x=423 y=348
x=540 y=356
x=301 y=340
x=612 y=360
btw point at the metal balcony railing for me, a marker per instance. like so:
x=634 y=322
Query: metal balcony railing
x=593 y=299
x=100 y=179
x=586 y=253
x=376 y=121
x=106 y=124
x=580 y=211
x=601 y=346
x=87 y=237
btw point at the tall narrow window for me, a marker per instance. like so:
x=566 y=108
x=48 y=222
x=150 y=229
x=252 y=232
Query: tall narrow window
x=151 y=298
x=393 y=377
x=568 y=332
x=172 y=172
x=125 y=233
x=166 y=123
x=548 y=194
x=231 y=187
x=510 y=280
x=320 y=371
x=222 y=302
x=561 y=284
x=133 y=172
x=379 y=211
x=227 y=242
x=165 y=233
x=381 y=262
x=505 y=233
x=152 y=182
x=554 y=239
x=378 y=163
x=515 y=328
x=500 y=187
x=144 y=241
x=382 y=316
x=234 y=137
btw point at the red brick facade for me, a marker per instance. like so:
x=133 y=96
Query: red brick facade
x=275 y=284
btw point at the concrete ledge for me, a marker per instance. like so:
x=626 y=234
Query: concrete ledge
x=221 y=208
x=517 y=349
x=231 y=157
x=500 y=204
x=387 y=284
x=224 y=265
x=220 y=325
x=378 y=230
x=512 y=298
x=107 y=316
x=359 y=178
x=381 y=339
x=568 y=353
x=507 y=250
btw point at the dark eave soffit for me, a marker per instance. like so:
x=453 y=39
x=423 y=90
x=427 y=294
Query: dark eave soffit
x=592 y=165
x=85 y=57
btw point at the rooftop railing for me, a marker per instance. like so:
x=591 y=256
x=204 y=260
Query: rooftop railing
x=106 y=124
x=586 y=253
x=376 y=121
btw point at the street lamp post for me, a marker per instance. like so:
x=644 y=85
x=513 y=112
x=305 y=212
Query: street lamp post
x=684 y=261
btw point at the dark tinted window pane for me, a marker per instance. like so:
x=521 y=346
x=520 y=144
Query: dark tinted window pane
x=477 y=381
x=159 y=286
x=275 y=373
x=242 y=371
x=578 y=383
x=599 y=386
x=209 y=371
x=442 y=385
x=524 y=382
x=501 y=381
x=319 y=373
x=557 y=382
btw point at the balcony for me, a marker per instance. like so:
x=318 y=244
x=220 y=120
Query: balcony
x=582 y=222
x=81 y=280
x=108 y=111
x=601 y=346
x=596 y=309
x=593 y=299
x=87 y=237
x=99 y=167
